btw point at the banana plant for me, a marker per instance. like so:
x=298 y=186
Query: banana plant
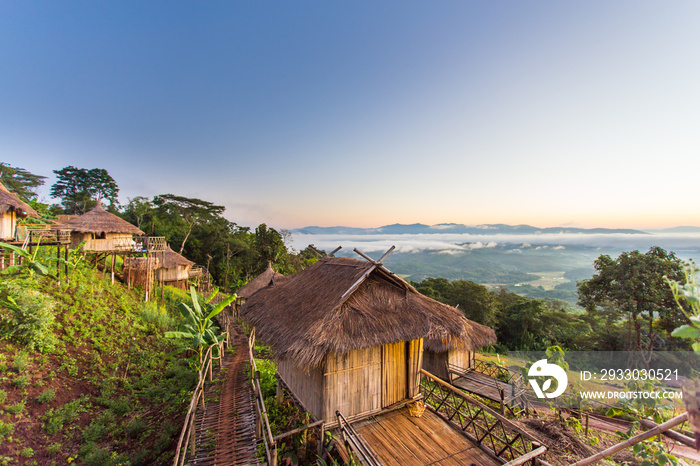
x=199 y=326
x=29 y=262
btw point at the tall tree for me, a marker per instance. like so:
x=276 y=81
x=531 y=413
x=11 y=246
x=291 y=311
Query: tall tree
x=191 y=211
x=633 y=287
x=79 y=189
x=20 y=181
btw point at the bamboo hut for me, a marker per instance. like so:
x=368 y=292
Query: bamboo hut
x=348 y=335
x=173 y=269
x=439 y=355
x=12 y=208
x=102 y=231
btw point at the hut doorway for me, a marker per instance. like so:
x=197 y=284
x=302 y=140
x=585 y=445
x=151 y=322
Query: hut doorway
x=394 y=373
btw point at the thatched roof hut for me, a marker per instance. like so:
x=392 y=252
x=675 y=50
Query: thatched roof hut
x=102 y=230
x=268 y=278
x=12 y=207
x=309 y=314
x=173 y=268
x=348 y=335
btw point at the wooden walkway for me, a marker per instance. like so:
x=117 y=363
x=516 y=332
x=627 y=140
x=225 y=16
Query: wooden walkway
x=399 y=439
x=489 y=387
x=226 y=430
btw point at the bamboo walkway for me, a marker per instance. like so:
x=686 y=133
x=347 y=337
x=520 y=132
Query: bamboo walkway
x=226 y=430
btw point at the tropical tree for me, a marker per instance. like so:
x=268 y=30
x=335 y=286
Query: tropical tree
x=632 y=287
x=79 y=189
x=688 y=292
x=29 y=262
x=199 y=326
x=20 y=181
x=190 y=212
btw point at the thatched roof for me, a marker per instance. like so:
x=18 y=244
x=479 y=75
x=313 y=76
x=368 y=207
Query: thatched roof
x=100 y=221
x=307 y=316
x=11 y=201
x=170 y=259
x=268 y=278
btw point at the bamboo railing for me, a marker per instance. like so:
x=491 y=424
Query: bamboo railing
x=497 y=436
x=262 y=423
x=186 y=445
x=354 y=442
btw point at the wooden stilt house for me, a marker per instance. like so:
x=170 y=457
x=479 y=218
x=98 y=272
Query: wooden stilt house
x=348 y=335
x=173 y=269
x=102 y=231
x=12 y=208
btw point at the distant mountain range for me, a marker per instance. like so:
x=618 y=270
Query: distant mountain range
x=419 y=228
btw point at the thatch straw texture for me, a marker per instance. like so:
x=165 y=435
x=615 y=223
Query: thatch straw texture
x=170 y=259
x=268 y=278
x=11 y=201
x=306 y=316
x=100 y=221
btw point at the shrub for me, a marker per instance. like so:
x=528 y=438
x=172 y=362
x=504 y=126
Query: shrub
x=47 y=396
x=16 y=408
x=135 y=428
x=20 y=362
x=53 y=449
x=21 y=381
x=27 y=316
x=3 y=396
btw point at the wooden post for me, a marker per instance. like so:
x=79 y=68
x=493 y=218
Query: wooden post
x=58 y=262
x=128 y=272
x=321 y=439
x=503 y=404
x=280 y=392
x=66 y=263
x=273 y=454
x=112 y=266
x=586 y=425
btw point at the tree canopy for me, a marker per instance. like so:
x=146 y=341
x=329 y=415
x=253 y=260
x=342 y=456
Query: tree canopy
x=79 y=189
x=632 y=289
x=20 y=181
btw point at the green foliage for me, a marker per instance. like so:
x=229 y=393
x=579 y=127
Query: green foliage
x=56 y=418
x=268 y=382
x=199 y=326
x=30 y=264
x=19 y=181
x=27 y=317
x=79 y=188
x=46 y=396
x=632 y=287
x=16 y=408
x=688 y=292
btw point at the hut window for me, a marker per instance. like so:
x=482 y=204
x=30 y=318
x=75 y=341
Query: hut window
x=102 y=235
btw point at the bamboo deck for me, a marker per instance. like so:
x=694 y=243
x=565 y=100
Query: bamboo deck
x=483 y=385
x=399 y=439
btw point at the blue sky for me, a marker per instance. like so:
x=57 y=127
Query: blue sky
x=366 y=113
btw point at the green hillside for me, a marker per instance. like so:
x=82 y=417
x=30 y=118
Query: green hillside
x=85 y=373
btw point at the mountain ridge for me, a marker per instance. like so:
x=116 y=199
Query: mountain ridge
x=498 y=228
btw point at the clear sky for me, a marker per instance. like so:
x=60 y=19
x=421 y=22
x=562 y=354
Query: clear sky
x=365 y=113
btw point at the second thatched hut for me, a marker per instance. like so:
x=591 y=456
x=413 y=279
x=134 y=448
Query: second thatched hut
x=102 y=231
x=348 y=335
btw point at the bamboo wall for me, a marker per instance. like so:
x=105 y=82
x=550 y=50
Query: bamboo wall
x=171 y=274
x=7 y=225
x=358 y=382
x=111 y=242
x=353 y=382
x=308 y=387
x=435 y=363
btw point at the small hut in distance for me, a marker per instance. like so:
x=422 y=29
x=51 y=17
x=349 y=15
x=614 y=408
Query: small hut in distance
x=102 y=231
x=348 y=335
x=268 y=278
x=173 y=269
x=12 y=208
